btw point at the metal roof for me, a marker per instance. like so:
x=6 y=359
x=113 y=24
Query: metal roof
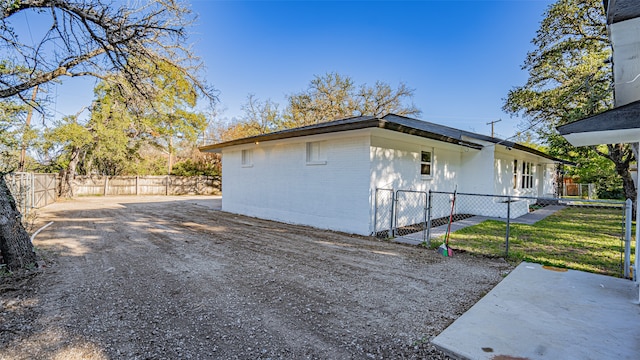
x=391 y=122
x=458 y=134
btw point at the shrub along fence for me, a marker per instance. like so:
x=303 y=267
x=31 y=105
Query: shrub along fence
x=591 y=235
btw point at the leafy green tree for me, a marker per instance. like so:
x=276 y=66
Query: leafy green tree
x=570 y=78
x=171 y=114
x=89 y=38
x=11 y=122
x=110 y=141
x=72 y=139
x=15 y=245
x=262 y=117
x=329 y=97
x=381 y=99
x=259 y=117
x=598 y=170
x=334 y=96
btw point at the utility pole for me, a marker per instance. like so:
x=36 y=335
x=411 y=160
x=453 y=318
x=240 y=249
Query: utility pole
x=23 y=151
x=493 y=122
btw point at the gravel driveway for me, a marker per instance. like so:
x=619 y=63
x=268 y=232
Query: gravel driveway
x=172 y=278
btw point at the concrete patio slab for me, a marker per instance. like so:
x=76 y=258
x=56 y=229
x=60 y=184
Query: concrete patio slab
x=547 y=313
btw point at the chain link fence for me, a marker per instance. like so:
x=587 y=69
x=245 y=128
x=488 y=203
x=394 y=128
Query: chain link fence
x=591 y=235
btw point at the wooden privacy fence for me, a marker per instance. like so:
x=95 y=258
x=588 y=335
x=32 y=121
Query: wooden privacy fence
x=145 y=185
x=37 y=190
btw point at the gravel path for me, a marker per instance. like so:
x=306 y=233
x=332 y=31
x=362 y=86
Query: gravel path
x=166 y=277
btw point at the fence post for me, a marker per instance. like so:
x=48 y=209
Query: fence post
x=166 y=189
x=32 y=193
x=375 y=213
x=508 y=225
x=137 y=190
x=429 y=197
x=424 y=216
x=393 y=205
x=628 y=210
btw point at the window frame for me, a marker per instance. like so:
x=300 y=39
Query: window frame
x=429 y=163
x=515 y=174
x=314 y=153
x=526 y=177
x=246 y=158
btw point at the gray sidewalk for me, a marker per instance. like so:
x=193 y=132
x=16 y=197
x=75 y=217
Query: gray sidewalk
x=535 y=216
x=547 y=313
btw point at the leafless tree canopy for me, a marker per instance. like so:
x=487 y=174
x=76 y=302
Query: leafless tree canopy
x=94 y=38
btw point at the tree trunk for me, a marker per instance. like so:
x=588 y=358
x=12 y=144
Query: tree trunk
x=15 y=244
x=622 y=157
x=66 y=189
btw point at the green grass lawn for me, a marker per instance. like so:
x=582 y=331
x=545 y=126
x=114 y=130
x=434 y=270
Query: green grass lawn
x=587 y=239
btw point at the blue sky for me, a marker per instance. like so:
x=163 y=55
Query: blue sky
x=461 y=57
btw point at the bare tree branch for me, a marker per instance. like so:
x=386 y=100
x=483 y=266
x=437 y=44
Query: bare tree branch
x=97 y=38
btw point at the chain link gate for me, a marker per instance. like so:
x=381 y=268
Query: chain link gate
x=383 y=217
x=411 y=214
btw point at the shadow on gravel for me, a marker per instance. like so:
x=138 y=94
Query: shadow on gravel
x=177 y=279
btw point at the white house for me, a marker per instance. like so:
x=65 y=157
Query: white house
x=326 y=175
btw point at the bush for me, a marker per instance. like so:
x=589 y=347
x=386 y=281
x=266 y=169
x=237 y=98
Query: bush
x=189 y=167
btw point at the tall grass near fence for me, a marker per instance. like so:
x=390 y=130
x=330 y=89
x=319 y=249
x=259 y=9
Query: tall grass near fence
x=580 y=238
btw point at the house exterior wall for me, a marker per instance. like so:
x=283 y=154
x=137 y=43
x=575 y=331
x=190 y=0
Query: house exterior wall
x=548 y=177
x=626 y=67
x=503 y=182
x=542 y=171
x=280 y=184
x=395 y=164
x=336 y=188
x=477 y=170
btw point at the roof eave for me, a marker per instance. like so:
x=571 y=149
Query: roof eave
x=369 y=122
x=621 y=10
x=617 y=125
x=364 y=124
x=426 y=134
x=540 y=153
x=291 y=133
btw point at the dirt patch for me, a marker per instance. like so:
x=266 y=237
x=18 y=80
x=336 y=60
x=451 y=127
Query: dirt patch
x=168 y=277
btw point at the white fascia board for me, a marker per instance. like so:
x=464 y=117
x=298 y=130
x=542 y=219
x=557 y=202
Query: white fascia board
x=604 y=137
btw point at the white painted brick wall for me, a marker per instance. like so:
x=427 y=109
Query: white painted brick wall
x=339 y=195
x=395 y=164
x=281 y=186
